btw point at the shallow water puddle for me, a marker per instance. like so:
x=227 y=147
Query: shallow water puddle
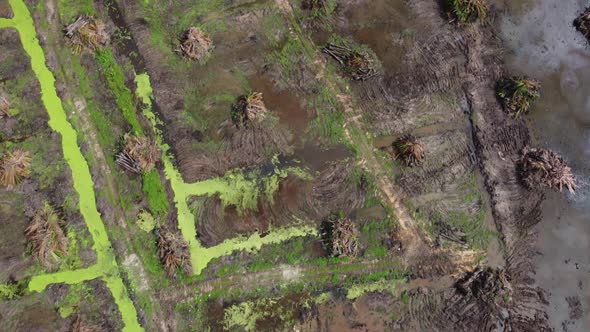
x=546 y=46
x=106 y=266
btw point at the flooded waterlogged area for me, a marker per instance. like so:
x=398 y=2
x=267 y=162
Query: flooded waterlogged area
x=543 y=44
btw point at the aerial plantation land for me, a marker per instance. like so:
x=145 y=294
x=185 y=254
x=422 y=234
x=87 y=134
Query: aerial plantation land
x=264 y=165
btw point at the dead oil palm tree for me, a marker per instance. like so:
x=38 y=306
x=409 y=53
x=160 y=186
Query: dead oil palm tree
x=195 y=44
x=14 y=166
x=247 y=109
x=173 y=251
x=545 y=168
x=139 y=154
x=87 y=32
x=46 y=236
x=408 y=150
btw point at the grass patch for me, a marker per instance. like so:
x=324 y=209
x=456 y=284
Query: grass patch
x=155 y=193
x=115 y=80
x=328 y=125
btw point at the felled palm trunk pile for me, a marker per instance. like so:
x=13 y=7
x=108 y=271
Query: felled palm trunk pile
x=46 y=236
x=14 y=166
x=517 y=94
x=247 y=109
x=545 y=168
x=468 y=11
x=408 y=150
x=195 y=44
x=582 y=23
x=139 y=154
x=341 y=237
x=87 y=33
x=173 y=251
x=4 y=105
x=358 y=65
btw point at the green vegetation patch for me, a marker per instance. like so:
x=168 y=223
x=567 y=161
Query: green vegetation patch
x=468 y=11
x=13 y=289
x=115 y=79
x=155 y=193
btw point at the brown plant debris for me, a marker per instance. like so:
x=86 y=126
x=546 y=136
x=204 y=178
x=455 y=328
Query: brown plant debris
x=87 y=32
x=341 y=237
x=582 y=23
x=4 y=105
x=195 y=44
x=247 y=109
x=46 y=237
x=173 y=251
x=359 y=65
x=139 y=154
x=517 y=94
x=545 y=168
x=409 y=150
x=80 y=325
x=14 y=166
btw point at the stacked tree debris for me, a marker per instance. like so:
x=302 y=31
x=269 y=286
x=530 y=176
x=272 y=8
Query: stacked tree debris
x=582 y=23
x=14 y=166
x=195 y=44
x=4 y=105
x=247 y=109
x=358 y=63
x=173 y=251
x=340 y=237
x=87 y=32
x=139 y=154
x=46 y=236
x=545 y=168
x=408 y=150
x=517 y=94
x=467 y=11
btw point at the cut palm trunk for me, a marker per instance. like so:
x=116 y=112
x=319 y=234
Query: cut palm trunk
x=87 y=33
x=408 y=150
x=46 y=237
x=582 y=23
x=195 y=44
x=173 y=251
x=14 y=166
x=358 y=65
x=248 y=109
x=545 y=168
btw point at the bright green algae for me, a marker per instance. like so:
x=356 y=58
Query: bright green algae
x=233 y=188
x=106 y=266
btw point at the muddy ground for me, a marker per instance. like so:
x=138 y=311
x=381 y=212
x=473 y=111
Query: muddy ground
x=436 y=83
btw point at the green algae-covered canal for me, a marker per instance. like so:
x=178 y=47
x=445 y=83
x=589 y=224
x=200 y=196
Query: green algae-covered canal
x=106 y=266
